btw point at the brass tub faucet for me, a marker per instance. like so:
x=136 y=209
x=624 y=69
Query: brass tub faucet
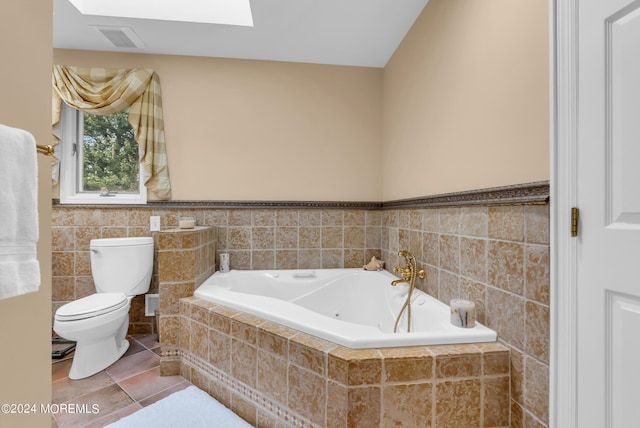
x=409 y=274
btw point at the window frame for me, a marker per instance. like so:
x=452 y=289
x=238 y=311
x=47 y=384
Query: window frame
x=72 y=127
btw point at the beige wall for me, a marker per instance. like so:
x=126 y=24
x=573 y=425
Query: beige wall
x=462 y=104
x=25 y=82
x=262 y=130
x=466 y=101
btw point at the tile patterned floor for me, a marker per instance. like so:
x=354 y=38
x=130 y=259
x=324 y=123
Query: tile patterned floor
x=129 y=384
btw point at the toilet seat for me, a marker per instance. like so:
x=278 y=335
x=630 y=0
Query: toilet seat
x=91 y=306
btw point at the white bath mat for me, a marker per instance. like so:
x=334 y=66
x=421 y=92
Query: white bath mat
x=190 y=407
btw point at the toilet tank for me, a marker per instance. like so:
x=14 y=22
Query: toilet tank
x=122 y=265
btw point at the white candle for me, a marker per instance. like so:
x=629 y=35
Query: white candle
x=224 y=262
x=463 y=313
x=187 y=223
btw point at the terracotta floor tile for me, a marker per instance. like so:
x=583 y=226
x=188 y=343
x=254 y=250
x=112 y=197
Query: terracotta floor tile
x=108 y=400
x=126 y=386
x=149 y=340
x=65 y=389
x=115 y=416
x=133 y=364
x=60 y=370
x=148 y=383
x=167 y=392
x=134 y=347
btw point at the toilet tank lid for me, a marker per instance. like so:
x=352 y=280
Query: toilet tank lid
x=121 y=242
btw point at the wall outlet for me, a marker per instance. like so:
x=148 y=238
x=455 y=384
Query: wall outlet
x=154 y=223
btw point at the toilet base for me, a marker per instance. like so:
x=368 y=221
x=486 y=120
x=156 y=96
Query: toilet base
x=98 y=345
x=91 y=358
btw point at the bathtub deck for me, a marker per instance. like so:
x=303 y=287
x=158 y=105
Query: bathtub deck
x=270 y=374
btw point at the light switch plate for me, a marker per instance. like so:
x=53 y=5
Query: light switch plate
x=154 y=223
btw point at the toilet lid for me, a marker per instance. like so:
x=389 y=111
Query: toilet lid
x=91 y=306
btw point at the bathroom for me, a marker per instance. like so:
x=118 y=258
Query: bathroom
x=369 y=156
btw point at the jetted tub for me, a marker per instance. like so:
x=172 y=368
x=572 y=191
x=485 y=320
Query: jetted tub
x=351 y=307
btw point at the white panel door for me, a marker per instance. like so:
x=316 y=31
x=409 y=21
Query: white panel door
x=608 y=195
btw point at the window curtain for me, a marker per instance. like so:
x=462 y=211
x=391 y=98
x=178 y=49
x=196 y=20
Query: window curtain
x=106 y=91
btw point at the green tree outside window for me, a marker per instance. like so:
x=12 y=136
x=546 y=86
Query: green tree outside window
x=111 y=161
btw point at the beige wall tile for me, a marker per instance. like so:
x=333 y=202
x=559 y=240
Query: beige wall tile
x=272 y=376
x=337 y=405
x=169 y=329
x=536 y=219
x=244 y=408
x=309 y=237
x=354 y=237
x=517 y=376
x=285 y=218
x=63 y=263
x=506 y=266
x=239 y=238
x=430 y=220
x=310 y=217
x=536 y=397
x=332 y=237
x=62 y=288
x=407 y=364
x=354 y=218
x=355 y=366
x=262 y=238
x=407 y=405
x=220 y=350
x=537 y=273
x=476 y=292
x=537 y=331
x=506 y=315
x=309 y=352
x=286 y=237
x=263 y=218
x=332 y=218
x=506 y=222
x=307 y=394
x=517 y=415
x=200 y=340
x=450 y=253
x=474 y=221
x=458 y=366
x=458 y=403
x=473 y=258
x=263 y=259
x=364 y=407
x=496 y=401
x=243 y=362
x=62 y=239
x=286 y=259
x=449 y=220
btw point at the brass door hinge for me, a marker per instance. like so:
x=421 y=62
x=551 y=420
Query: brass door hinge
x=575 y=215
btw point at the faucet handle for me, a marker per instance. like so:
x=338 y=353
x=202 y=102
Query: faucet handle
x=422 y=274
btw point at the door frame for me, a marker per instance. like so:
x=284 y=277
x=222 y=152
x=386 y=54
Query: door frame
x=563 y=55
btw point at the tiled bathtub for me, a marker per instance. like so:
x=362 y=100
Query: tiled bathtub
x=274 y=376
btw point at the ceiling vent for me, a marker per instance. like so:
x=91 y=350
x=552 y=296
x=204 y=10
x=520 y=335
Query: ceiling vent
x=120 y=37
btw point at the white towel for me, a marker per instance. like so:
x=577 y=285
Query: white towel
x=19 y=268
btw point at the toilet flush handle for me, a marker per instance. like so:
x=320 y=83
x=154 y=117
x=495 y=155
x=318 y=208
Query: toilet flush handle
x=93 y=250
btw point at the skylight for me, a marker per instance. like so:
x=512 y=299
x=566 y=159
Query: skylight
x=227 y=12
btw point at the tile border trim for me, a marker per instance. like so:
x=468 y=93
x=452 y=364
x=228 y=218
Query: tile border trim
x=527 y=193
x=260 y=400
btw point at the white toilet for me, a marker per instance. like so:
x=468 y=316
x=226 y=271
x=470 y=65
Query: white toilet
x=121 y=269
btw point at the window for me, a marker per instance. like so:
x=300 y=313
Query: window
x=100 y=161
